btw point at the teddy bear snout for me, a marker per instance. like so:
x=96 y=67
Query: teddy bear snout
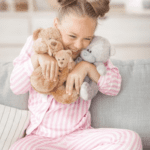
x=86 y=53
x=54 y=43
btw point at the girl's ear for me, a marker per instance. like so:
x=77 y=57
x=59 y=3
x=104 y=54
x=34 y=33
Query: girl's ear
x=56 y=22
x=36 y=33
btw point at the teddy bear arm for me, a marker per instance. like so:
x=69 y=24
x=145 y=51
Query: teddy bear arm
x=101 y=69
x=40 y=47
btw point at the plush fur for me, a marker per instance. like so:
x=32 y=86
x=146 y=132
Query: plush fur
x=98 y=52
x=49 y=41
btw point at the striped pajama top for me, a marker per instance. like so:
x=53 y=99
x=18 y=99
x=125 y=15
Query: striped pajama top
x=48 y=117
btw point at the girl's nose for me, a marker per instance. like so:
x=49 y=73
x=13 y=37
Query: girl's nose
x=78 y=44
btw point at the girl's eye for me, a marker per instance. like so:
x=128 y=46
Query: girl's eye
x=72 y=36
x=88 y=39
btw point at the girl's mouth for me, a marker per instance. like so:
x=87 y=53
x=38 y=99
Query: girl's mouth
x=73 y=50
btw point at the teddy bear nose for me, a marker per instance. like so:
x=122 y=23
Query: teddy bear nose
x=61 y=62
x=54 y=43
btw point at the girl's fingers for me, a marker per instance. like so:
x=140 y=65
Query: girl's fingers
x=48 y=72
x=77 y=85
x=69 y=85
x=80 y=82
x=44 y=70
x=52 y=71
x=56 y=72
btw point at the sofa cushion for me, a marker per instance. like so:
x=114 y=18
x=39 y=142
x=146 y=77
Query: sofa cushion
x=13 y=123
x=6 y=96
x=130 y=109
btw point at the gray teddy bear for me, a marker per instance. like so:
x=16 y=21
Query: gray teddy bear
x=98 y=52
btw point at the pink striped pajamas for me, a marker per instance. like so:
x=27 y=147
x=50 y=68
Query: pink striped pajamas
x=59 y=126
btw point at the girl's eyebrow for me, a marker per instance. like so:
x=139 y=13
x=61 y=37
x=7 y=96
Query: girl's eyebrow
x=76 y=34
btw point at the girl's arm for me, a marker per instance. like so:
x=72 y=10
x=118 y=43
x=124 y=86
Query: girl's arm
x=23 y=68
x=24 y=65
x=109 y=84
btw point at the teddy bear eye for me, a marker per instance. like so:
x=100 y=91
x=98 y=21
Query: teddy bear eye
x=49 y=38
x=63 y=59
x=89 y=51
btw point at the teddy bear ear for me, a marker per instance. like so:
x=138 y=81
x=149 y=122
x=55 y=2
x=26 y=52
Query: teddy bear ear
x=69 y=52
x=112 y=50
x=36 y=33
x=54 y=54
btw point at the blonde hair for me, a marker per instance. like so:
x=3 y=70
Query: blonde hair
x=90 y=8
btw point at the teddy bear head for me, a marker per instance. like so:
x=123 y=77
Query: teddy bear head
x=64 y=59
x=50 y=38
x=99 y=50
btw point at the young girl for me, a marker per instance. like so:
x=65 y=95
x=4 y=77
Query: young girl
x=56 y=126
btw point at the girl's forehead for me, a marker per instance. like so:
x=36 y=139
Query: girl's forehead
x=79 y=24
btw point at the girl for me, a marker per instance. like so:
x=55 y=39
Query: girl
x=68 y=127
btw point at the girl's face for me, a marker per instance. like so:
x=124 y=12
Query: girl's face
x=77 y=32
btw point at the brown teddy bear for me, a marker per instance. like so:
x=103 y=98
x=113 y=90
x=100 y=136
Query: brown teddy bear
x=66 y=64
x=49 y=41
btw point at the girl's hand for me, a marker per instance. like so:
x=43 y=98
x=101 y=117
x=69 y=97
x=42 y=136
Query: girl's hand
x=76 y=77
x=49 y=66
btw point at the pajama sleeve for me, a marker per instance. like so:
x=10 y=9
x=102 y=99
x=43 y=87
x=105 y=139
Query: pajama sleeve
x=23 y=68
x=110 y=83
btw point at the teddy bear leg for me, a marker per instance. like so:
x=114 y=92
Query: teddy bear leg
x=61 y=96
x=88 y=90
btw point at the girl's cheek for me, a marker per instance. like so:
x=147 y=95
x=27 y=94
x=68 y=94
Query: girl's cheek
x=67 y=41
x=86 y=44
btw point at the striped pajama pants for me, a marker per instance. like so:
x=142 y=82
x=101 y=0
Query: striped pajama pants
x=88 y=139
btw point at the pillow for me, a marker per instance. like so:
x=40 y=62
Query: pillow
x=130 y=109
x=13 y=123
x=7 y=97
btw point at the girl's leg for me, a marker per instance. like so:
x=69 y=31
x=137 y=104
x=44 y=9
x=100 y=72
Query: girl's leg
x=34 y=142
x=104 y=139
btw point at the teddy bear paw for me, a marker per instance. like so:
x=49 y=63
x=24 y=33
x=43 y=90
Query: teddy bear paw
x=102 y=71
x=84 y=94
